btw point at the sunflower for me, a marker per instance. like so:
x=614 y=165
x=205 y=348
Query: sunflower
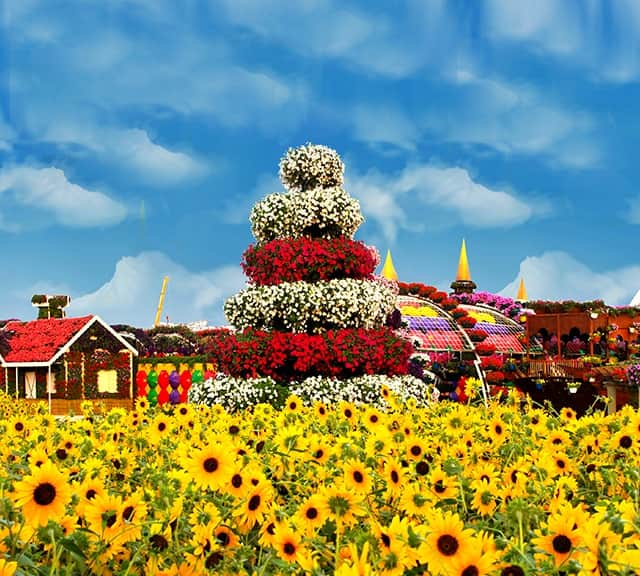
x=43 y=495
x=19 y=426
x=568 y=413
x=7 y=568
x=238 y=483
x=446 y=542
x=342 y=504
x=356 y=477
x=311 y=515
x=416 y=448
x=293 y=404
x=442 y=486
x=320 y=411
x=348 y=411
x=394 y=476
x=497 y=430
x=562 y=537
x=483 y=499
x=474 y=562
x=225 y=537
x=289 y=547
x=414 y=501
x=255 y=505
x=211 y=466
x=372 y=417
x=104 y=516
x=132 y=513
x=319 y=449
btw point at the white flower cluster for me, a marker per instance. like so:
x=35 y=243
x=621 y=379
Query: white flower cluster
x=311 y=166
x=319 y=212
x=312 y=307
x=238 y=394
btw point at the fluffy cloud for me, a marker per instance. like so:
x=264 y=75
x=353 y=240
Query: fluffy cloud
x=573 y=32
x=559 y=276
x=514 y=119
x=49 y=190
x=131 y=296
x=450 y=193
x=384 y=125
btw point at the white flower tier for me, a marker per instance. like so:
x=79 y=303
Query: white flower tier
x=320 y=213
x=313 y=308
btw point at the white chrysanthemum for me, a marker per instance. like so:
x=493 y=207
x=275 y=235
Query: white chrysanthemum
x=313 y=307
x=311 y=166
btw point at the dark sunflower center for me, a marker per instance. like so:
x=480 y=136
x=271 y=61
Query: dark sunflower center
x=485 y=478
x=18 y=426
x=470 y=571
x=439 y=487
x=322 y=411
x=61 y=453
x=416 y=450
x=233 y=429
x=422 y=468
x=292 y=406
x=373 y=419
x=395 y=478
x=447 y=545
x=312 y=513
x=127 y=513
x=213 y=560
x=254 y=502
x=498 y=429
x=348 y=413
x=318 y=454
x=560 y=463
x=210 y=465
x=514 y=476
x=223 y=538
x=625 y=442
x=512 y=571
x=183 y=411
x=271 y=528
x=561 y=544
x=289 y=549
x=90 y=494
x=162 y=427
x=159 y=542
x=44 y=494
x=385 y=540
x=358 y=477
x=109 y=518
x=236 y=480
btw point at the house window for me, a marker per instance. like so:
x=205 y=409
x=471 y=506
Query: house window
x=30 y=385
x=51 y=383
x=108 y=381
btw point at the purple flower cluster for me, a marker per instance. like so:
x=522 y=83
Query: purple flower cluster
x=507 y=306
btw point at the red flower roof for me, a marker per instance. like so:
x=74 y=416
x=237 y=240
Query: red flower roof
x=40 y=340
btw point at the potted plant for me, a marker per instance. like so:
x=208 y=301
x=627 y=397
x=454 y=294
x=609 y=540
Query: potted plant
x=573 y=386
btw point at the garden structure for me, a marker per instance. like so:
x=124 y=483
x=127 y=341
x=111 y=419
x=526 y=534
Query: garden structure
x=312 y=320
x=67 y=360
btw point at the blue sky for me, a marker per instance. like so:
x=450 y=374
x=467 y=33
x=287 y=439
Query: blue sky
x=135 y=135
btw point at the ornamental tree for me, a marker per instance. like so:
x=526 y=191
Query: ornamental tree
x=313 y=306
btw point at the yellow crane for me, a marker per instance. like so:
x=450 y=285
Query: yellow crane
x=161 y=301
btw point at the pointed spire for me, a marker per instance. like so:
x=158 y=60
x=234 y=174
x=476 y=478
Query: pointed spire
x=522 y=292
x=463 y=283
x=463 y=264
x=388 y=270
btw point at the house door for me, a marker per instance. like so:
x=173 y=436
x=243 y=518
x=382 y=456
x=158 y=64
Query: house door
x=29 y=384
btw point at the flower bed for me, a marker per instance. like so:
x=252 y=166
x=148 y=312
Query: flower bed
x=341 y=489
x=285 y=357
x=311 y=260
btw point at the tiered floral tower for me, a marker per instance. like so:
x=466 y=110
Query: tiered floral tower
x=312 y=320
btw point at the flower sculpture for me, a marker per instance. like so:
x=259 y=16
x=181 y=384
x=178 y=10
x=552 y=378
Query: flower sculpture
x=313 y=315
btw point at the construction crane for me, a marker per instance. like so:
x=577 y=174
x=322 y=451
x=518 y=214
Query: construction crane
x=161 y=301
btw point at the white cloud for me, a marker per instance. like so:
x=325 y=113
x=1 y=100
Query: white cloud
x=131 y=149
x=131 y=296
x=48 y=189
x=559 y=276
x=514 y=119
x=7 y=134
x=437 y=195
x=384 y=125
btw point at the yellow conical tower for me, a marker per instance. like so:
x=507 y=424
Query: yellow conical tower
x=388 y=270
x=463 y=283
x=522 y=292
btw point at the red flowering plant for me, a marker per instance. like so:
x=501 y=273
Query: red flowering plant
x=458 y=313
x=491 y=362
x=416 y=289
x=311 y=260
x=485 y=349
x=477 y=334
x=467 y=322
x=449 y=304
x=290 y=356
x=495 y=377
x=439 y=297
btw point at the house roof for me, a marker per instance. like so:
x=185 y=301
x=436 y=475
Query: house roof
x=43 y=341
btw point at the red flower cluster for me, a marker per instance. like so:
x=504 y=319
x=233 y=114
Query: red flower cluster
x=416 y=289
x=286 y=357
x=467 y=322
x=39 y=340
x=491 y=363
x=449 y=304
x=485 y=349
x=495 y=377
x=311 y=260
x=477 y=334
x=458 y=313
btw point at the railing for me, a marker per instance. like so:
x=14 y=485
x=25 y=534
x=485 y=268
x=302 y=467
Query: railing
x=558 y=368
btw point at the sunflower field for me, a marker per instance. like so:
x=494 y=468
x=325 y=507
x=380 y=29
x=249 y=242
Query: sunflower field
x=448 y=489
